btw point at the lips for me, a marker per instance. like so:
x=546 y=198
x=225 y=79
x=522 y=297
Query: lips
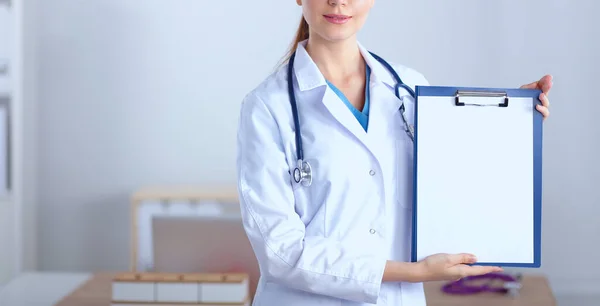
x=337 y=19
x=334 y=16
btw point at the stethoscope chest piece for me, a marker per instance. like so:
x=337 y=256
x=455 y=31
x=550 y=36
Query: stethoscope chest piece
x=303 y=173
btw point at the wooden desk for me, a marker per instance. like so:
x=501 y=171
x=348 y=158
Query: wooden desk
x=83 y=289
x=94 y=292
x=535 y=292
x=41 y=289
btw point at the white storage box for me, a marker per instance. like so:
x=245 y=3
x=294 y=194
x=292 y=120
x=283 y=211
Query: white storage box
x=153 y=288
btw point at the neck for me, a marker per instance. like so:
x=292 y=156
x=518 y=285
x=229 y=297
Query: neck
x=338 y=60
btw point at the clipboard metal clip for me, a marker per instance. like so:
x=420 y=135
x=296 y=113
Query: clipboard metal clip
x=503 y=102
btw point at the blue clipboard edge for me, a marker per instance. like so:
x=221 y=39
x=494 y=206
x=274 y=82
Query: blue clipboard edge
x=537 y=164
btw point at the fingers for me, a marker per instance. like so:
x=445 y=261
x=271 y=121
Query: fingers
x=543 y=110
x=533 y=85
x=545 y=84
x=544 y=99
x=462 y=271
x=462 y=258
x=480 y=270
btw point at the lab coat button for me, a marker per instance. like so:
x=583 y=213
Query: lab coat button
x=372 y=231
x=372 y=172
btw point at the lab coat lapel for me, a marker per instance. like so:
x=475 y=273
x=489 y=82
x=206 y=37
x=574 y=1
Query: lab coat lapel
x=385 y=102
x=344 y=116
x=309 y=77
x=383 y=107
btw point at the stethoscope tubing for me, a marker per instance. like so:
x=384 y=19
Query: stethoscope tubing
x=303 y=171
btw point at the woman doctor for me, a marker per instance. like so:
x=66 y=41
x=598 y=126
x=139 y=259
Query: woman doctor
x=345 y=239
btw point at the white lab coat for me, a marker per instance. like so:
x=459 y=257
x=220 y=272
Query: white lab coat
x=327 y=244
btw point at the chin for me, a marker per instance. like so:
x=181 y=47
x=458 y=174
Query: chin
x=337 y=36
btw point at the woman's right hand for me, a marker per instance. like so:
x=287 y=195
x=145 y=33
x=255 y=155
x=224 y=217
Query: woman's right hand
x=443 y=267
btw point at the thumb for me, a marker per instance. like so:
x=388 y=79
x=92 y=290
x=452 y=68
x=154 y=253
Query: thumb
x=462 y=258
x=533 y=85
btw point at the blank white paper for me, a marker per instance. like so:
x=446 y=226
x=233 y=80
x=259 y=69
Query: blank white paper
x=474 y=182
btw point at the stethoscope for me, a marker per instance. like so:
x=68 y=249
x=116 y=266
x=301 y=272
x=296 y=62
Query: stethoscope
x=511 y=285
x=303 y=171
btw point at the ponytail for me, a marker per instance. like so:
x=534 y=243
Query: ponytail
x=301 y=35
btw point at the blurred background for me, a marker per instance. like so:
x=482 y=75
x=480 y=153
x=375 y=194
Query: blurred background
x=110 y=96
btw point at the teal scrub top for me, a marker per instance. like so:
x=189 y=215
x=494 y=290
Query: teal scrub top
x=361 y=116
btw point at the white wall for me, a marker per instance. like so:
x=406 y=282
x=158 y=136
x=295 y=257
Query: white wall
x=11 y=93
x=131 y=93
x=7 y=228
x=30 y=135
x=7 y=241
x=18 y=228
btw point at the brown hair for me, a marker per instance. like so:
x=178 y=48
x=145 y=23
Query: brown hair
x=301 y=34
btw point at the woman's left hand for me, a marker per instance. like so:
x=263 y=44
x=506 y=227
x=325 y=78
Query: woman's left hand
x=544 y=84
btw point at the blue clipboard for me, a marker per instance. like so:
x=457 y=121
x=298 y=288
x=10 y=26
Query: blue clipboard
x=450 y=125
